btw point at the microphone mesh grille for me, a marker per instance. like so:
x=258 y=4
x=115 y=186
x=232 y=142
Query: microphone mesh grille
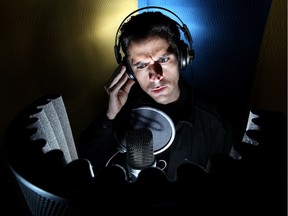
x=140 y=151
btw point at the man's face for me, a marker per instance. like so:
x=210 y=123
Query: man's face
x=156 y=68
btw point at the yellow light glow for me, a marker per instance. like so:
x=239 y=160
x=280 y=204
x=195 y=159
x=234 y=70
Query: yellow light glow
x=107 y=20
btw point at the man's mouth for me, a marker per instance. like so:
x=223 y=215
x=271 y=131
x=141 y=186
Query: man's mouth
x=158 y=89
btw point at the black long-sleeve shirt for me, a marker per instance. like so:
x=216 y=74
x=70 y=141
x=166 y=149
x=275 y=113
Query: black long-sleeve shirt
x=200 y=133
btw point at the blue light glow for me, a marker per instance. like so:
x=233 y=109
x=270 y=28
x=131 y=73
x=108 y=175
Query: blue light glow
x=226 y=38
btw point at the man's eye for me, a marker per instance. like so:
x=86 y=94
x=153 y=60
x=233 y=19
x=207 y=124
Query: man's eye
x=142 y=66
x=163 y=60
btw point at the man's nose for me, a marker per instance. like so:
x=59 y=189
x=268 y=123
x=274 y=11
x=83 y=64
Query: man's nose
x=156 y=72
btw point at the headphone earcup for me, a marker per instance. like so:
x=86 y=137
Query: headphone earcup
x=183 y=55
x=124 y=62
x=117 y=54
x=129 y=71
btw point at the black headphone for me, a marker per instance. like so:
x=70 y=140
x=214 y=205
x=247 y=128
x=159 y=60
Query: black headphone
x=186 y=52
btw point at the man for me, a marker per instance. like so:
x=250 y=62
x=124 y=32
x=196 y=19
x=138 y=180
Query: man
x=150 y=42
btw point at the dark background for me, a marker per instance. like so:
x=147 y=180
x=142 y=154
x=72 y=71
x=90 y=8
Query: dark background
x=66 y=47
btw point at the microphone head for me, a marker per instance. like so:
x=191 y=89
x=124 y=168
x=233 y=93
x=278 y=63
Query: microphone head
x=139 y=143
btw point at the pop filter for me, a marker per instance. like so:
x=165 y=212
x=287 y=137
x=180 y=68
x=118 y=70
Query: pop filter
x=159 y=123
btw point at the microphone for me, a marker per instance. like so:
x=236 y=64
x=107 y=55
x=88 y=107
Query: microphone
x=140 y=153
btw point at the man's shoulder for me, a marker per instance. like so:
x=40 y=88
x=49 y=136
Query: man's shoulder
x=205 y=110
x=206 y=107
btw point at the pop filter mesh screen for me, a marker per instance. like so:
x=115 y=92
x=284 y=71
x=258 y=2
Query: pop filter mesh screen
x=159 y=123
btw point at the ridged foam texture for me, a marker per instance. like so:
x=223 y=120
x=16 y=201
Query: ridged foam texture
x=53 y=125
x=43 y=203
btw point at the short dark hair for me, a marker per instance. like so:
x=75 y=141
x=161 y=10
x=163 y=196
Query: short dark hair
x=150 y=24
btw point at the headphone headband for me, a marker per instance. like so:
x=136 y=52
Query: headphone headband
x=186 y=52
x=183 y=26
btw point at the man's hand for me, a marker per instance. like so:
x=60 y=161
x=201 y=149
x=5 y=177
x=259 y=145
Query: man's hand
x=118 y=88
